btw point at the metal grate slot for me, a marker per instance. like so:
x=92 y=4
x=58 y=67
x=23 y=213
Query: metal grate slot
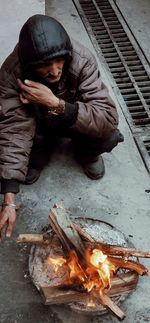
x=136 y=108
x=128 y=91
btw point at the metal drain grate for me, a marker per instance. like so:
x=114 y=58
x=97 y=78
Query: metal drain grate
x=143 y=143
x=122 y=56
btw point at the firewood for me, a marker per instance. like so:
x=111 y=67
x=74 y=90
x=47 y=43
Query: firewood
x=107 y=249
x=107 y=302
x=30 y=238
x=114 y=250
x=118 y=282
x=53 y=295
x=63 y=227
x=126 y=278
x=128 y=264
x=56 y=228
x=34 y=238
x=122 y=284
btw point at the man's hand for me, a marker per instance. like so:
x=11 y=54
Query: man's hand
x=34 y=92
x=7 y=216
x=7 y=221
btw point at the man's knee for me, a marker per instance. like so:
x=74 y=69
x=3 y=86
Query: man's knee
x=85 y=145
x=112 y=141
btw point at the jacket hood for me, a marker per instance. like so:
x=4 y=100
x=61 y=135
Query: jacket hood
x=42 y=38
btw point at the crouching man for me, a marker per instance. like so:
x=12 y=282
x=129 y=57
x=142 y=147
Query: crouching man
x=50 y=87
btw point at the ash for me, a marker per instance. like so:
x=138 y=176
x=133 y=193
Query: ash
x=101 y=231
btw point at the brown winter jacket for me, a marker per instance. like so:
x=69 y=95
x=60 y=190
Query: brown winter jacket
x=95 y=114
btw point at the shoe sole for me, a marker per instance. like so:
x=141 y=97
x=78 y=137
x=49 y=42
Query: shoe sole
x=94 y=177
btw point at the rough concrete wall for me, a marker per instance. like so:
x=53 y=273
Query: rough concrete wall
x=13 y=15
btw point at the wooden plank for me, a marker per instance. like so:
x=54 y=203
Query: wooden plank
x=52 y=295
x=63 y=227
x=122 y=284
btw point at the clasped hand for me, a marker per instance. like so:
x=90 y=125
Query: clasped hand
x=34 y=92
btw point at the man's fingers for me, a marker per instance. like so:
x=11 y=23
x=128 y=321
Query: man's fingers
x=31 y=83
x=3 y=220
x=10 y=228
x=23 y=86
x=23 y=100
x=3 y=233
x=27 y=83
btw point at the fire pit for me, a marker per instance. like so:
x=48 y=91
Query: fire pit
x=83 y=263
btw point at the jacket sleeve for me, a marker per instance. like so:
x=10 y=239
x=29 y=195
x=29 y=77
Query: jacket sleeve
x=97 y=115
x=17 y=128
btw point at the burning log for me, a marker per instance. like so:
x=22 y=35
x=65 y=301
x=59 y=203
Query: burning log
x=121 y=251
x=52 y=295
x=121 y=284
x=127 y=264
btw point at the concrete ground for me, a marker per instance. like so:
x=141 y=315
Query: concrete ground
x=120 y=198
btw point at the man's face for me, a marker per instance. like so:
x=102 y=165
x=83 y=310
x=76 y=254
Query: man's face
x=51 y=71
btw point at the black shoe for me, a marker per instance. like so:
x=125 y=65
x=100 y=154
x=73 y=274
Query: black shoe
x=94 y=169
x=119 y=136
x=32 y=176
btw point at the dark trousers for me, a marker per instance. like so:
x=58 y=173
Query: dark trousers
x=85 y=148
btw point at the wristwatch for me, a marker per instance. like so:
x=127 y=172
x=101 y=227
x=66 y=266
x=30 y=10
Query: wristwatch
x=59 y=110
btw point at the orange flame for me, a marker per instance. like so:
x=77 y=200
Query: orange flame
x=76 y=271
x=103 y=267
x=93 y=273
x=56 y=262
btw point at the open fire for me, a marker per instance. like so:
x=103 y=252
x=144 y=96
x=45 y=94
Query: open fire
x=77 y=270
x=92 y=273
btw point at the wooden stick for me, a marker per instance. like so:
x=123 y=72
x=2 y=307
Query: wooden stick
x=42 y=239
x=121 y=251
x=34 y=238
x=111 y=250
x=30 y=238
x=107 y=302
x=128 y=264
